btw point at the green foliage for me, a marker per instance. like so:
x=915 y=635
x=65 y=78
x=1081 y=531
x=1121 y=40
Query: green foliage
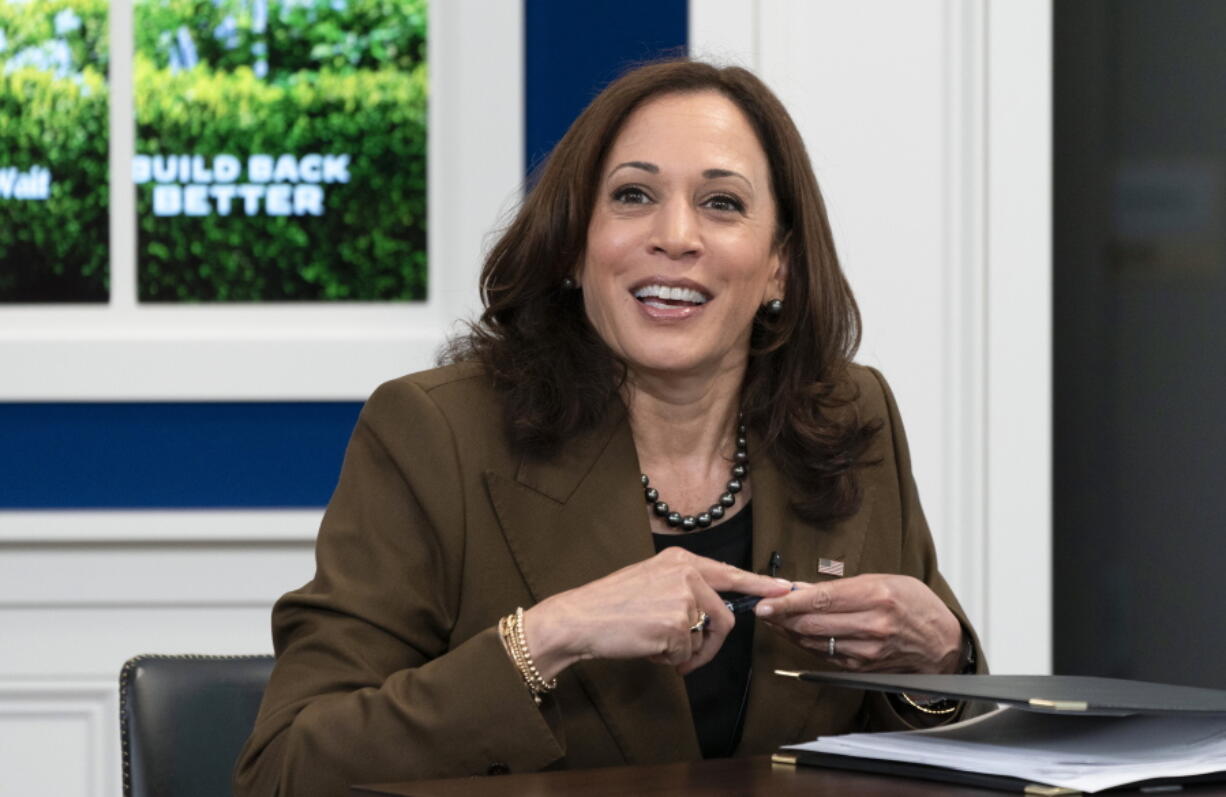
x=53 y=113
x=370 y=34
x=371 y=241
x=31 y=24
x=55 y=250
x=333 y=35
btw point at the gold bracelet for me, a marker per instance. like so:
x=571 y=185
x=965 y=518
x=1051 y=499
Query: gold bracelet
x=511 y=629
x=935 y=711
x=538 y=684
x=512 y=647
x=527 y=667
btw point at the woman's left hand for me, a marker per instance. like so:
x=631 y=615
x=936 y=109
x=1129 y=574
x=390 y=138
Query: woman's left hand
x=879 y=623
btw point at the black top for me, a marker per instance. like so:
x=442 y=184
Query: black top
x=718 y=690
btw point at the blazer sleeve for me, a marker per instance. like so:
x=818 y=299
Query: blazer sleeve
x=919 y=559
x=368 y=686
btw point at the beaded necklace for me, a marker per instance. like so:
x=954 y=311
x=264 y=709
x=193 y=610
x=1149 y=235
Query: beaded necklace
x=740 y=468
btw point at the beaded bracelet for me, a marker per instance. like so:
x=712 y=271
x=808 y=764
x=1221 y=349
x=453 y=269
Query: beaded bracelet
x=527 y=667
x=511 y=629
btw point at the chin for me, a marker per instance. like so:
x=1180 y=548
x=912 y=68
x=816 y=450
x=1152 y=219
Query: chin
x=680 y=363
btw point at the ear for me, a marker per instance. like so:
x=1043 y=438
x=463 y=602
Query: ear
x=777 y=287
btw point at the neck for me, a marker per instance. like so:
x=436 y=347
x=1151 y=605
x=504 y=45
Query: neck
x=684 y=425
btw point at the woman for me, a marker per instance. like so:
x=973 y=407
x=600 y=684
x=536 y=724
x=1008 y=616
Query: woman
x=656 y=407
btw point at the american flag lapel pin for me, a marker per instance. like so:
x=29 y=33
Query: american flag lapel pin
x=830 y=567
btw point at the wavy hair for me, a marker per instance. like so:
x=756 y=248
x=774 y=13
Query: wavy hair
x=558 y=376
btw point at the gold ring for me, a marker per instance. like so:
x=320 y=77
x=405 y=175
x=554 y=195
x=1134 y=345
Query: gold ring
x=704 y=620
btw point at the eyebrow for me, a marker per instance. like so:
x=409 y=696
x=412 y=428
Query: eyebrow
x=714 y=174
x=645 y=166
x=709 y=174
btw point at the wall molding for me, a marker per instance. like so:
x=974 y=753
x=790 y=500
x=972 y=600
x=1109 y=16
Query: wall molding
x=962 y=543
x=259 y=526
x=1019 y=336
x=95 y=703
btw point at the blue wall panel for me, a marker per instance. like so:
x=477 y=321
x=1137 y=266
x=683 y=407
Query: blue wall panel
x=181 y=455
x=574 y=49
x=244 y=455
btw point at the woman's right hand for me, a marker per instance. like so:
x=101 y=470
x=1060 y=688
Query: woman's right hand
x=644 y=610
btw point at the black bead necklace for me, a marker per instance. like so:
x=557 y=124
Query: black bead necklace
x=740 y=468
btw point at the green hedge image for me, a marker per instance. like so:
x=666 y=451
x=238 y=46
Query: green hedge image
x=370 y=244
x=235 y=77
x=53 y=113
x=339 y=78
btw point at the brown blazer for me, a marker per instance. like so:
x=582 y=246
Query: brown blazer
x=389 y=666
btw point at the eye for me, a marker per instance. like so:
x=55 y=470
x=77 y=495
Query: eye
x=726 y=203
x=631 y=195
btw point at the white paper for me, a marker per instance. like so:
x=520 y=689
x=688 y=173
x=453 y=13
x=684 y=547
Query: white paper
x=1085 y=753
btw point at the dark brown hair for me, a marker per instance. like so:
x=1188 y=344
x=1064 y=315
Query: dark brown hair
x=559 y=376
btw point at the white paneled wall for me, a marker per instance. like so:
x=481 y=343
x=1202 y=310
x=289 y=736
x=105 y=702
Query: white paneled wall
x=71 y=614
x=57 y=736
x=928 y=124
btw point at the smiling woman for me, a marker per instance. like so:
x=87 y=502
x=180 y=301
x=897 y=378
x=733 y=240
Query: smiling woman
x=658 y=401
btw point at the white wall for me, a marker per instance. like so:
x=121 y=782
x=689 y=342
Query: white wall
x=928 y=124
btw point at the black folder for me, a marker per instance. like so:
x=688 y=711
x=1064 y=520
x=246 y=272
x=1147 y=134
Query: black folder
x=1057 y=693
x=1044 y=694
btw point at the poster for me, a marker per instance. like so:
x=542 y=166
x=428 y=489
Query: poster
x=278 y=306
x=280 y=150
x=54 y=179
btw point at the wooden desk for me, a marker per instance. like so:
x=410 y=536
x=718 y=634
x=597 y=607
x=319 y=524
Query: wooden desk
x=743 y=777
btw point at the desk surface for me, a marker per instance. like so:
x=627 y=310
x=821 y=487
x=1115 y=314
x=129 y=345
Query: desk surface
x=749 y=777
x=733 y=776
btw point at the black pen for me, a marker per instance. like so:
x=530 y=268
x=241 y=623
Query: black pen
x=745 y=603
x=739 y=605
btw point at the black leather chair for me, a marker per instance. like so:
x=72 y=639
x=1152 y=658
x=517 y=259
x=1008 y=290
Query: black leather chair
x=183 y=720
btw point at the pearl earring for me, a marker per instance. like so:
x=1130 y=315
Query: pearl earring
x=774 y=307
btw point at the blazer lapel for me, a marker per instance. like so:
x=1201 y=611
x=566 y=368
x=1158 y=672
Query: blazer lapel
x=576 y=518
x=779 y=708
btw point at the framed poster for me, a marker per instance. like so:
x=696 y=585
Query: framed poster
x=300 y=196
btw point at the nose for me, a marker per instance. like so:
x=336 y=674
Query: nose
x=675 y=233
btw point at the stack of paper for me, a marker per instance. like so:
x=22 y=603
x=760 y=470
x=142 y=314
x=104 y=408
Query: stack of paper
x=1086 y=753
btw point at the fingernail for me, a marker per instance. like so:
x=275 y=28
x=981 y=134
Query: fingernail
x=784 y=581
x=763 y=610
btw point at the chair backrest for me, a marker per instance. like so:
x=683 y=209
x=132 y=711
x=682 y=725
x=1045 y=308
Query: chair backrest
x=183 y=720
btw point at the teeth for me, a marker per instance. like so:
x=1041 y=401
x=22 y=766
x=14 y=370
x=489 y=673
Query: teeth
x=674 y=294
